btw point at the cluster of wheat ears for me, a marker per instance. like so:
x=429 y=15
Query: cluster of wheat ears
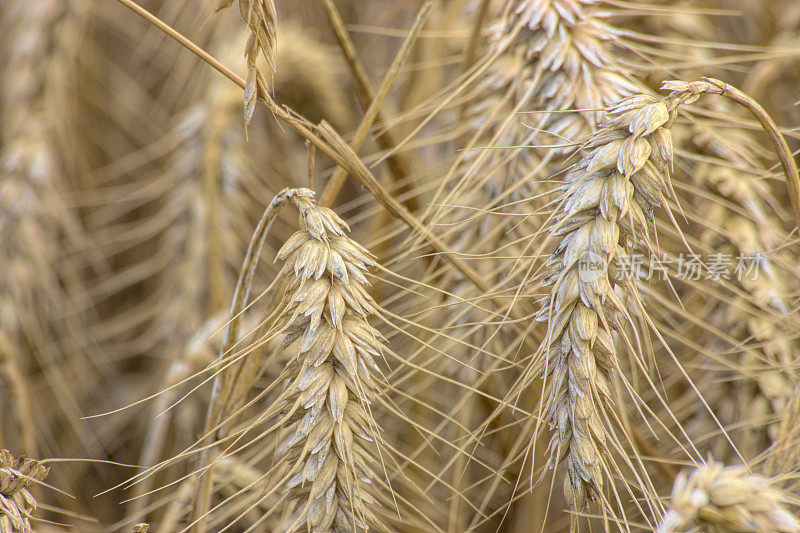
x=536 y=266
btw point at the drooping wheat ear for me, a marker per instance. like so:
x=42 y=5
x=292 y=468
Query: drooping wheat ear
x=572 y=49
x=326 y=459
x=141 y=528
x=16 y=502
x=553 y=55
x=261 y=17
x=608 y=201
x=719 y=499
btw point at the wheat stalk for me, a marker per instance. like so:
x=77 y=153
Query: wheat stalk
x=16 y=502
x=720 y=499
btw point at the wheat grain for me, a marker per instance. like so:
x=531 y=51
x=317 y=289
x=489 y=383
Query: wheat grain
x=16 y=502
x=718 y=499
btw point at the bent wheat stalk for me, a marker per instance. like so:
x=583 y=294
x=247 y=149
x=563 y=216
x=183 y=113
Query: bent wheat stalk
x=329 y=142
x=782 y=150
x=718 y=498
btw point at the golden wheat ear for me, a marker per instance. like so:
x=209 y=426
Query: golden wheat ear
x=606 y=207
x=718 y=498
x=329 y=449
x=320 y=422
x=17 y=504
x=261 y=17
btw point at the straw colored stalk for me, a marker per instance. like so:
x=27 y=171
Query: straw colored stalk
x=715 y=498
x=325 y=462
x=16 y=502
x=169 y=417
x=239 y=486
x=215 y=181
x=608 y=201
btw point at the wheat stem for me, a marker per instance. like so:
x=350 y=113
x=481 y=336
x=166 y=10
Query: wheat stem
x=223 y=382
x=398 y=163
x=334 y=147
x=788 y=163
x=336 y=182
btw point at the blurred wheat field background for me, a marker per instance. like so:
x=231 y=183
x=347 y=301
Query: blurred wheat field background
x=399 y=265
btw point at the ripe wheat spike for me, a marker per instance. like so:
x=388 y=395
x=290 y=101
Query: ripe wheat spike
x=716 y=498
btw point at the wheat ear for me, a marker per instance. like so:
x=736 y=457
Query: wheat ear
x=719 y=499
x=571 y=47
x=608 y=201
x=16 y=502
x=261 y=17
x=546 y=57
x=330 y=378
x=325 y=458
